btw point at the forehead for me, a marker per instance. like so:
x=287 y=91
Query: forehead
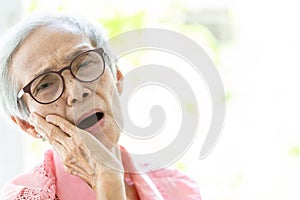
x=46 y=47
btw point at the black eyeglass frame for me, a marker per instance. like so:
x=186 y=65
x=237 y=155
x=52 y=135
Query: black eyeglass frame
x=26 y=89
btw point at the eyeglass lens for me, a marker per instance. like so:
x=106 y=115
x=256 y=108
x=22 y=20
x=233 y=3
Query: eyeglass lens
x=86 y=67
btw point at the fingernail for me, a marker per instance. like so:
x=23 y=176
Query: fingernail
x=49 y=118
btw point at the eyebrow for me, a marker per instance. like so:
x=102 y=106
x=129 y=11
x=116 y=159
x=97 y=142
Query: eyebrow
x=67 y=58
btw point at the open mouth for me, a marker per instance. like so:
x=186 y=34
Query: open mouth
x=90 y=120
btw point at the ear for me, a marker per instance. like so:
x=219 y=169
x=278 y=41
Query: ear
x=119 y=81
x=25 y=126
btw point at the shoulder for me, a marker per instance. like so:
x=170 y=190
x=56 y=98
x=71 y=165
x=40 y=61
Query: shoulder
x=172 y=183
x=38 y=183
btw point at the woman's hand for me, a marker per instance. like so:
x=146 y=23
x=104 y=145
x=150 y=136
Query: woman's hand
x=84 y=156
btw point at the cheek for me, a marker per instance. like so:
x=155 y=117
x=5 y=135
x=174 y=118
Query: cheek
x=106 y=86
x=44 y=110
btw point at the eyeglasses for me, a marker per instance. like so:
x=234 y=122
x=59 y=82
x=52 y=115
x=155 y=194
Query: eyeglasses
x=49 y=86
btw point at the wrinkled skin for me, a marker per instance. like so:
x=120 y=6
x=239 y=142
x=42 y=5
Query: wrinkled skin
x=81 y=153
x=89 y=154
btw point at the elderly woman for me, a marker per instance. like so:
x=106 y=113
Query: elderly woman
x=57 y=83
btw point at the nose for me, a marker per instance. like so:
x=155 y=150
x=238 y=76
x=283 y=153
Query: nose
x=74 y=90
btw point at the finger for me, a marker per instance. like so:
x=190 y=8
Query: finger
x=49 y=130
x=77 y=166
x=82 y=175
x=78 y=134
x=59 y=148
x=100 y=151
x=63 y=124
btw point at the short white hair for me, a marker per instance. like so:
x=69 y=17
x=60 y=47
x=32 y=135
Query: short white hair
x=12 y=41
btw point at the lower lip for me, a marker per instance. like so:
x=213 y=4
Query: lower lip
x=96 y=127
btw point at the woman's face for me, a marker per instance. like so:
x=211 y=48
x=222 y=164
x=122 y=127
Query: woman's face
x=52 y=48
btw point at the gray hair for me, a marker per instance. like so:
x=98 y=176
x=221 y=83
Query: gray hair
x=13 y=40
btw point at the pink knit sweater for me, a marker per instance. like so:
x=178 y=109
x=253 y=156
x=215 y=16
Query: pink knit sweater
x=49 y=181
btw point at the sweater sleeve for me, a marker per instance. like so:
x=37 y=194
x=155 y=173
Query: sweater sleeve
x=174 y=185
x=18 y=192
x=37 y=184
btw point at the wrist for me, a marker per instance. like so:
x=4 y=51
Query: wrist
x=110 y=185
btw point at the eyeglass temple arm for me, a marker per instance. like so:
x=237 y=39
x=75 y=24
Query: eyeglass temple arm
x=20 y=94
